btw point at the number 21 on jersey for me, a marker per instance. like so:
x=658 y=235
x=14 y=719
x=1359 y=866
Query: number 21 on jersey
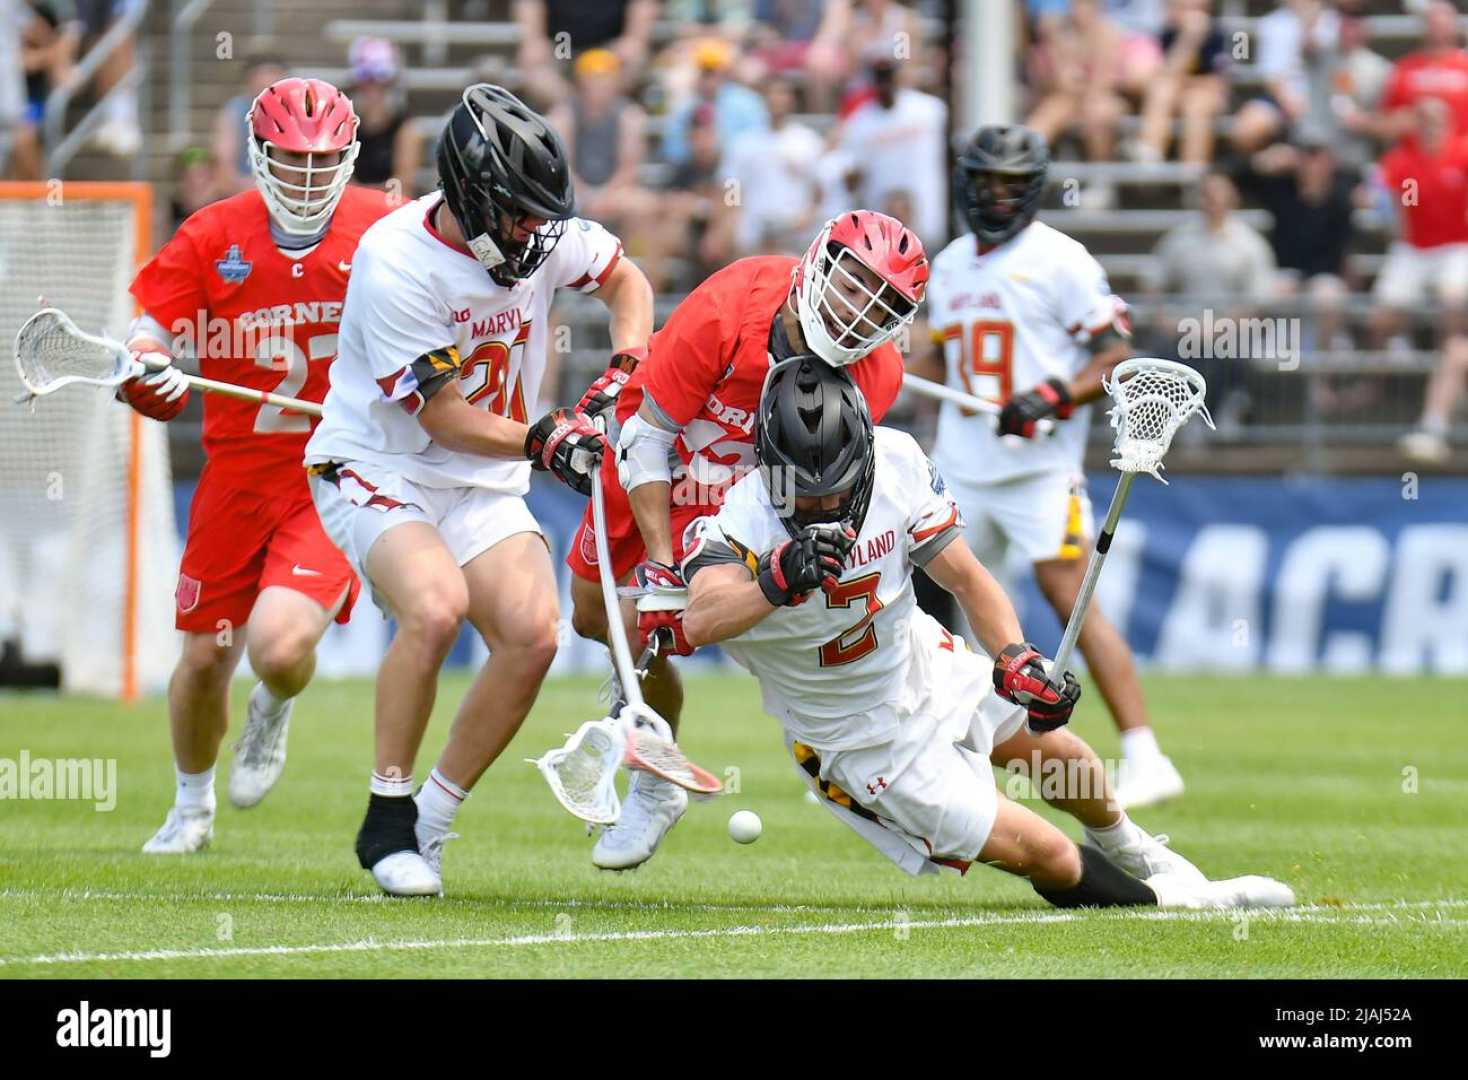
x=985 y=357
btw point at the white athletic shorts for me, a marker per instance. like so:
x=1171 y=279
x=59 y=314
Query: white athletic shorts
x=927 y=799
x=1041 y=517
x=361 y=502
x=1410 y=275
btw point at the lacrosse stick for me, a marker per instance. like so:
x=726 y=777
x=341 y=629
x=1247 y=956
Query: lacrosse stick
x=51 y=352
x=1152 y=399
x=928 y=388
x=582 y=774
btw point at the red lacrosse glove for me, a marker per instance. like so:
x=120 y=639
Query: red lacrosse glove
x=567 y=444
x=1023 y=412
x=602 y=394
x=660 y=607
x=1020 y=677
x=157 y=393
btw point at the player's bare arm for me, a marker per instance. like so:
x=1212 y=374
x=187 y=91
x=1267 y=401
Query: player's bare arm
x=984 y=602
x=454 y=424
x=627 y=295
x=1108 y=348
x=723 y=602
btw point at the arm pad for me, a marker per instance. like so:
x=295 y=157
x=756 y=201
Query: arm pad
x=643 y=452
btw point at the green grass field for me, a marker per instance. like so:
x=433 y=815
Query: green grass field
x=1353 y=791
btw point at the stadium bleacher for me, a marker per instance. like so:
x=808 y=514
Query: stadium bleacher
x=446 y=45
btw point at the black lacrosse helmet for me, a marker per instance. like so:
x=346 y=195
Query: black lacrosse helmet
x=1011 y=159
x=813 y=437
x=499 y=161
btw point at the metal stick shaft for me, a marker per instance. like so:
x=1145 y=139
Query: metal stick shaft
x=928 y=388
x=1093 y=571
x=616 y=632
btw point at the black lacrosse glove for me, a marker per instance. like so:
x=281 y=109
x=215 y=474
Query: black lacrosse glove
x=568 y=445
x=789 y=572
x=1019 y=676
x=1023 y=412
x=602 y=394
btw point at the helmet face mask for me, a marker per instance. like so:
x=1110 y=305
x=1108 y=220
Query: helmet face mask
x=998 y=180
x=813 y=440
x=858 y=285
x=302 y=146
x=500 y=165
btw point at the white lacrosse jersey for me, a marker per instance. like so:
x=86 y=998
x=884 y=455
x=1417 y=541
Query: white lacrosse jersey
x=834 y=669
x=417 y=305
x=1008 y=320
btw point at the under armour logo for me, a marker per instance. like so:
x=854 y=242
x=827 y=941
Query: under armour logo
x=880 y=785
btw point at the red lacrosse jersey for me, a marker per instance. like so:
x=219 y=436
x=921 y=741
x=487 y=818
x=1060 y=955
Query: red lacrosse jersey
x=706 y=367
x=1421 y=74
x=260 y=319
x=1431 y=191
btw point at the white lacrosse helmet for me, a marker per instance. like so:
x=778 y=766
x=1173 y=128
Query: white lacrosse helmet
x=302 y=116
x=844 y=313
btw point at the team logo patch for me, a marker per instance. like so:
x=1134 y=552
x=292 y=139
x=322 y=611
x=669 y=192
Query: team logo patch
x=234 y=267
x=588 y=546
x=186 y=594
x=935 y=478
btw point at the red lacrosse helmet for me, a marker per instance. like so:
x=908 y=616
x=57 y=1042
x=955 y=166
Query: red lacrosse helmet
x=859 y=283
x=310 y=117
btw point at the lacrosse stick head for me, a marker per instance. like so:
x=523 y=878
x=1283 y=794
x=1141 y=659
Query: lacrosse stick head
x=650 y=747
x=582 y=774
x=51 y=352
x=1152 y=399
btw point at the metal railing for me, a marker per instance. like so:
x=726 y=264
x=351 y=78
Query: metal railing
x=61 y=145
x=180 y=60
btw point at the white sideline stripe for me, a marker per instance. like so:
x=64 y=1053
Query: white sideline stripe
x=1308 y=914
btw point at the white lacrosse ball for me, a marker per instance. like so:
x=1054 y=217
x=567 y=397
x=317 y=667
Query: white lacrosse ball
x=744 y=826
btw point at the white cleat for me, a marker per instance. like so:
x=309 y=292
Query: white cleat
x=407 y=873
x=183 y=831
x=260 y=754
x=1147 y=856
x=652 y=807
x=432 y=851
x=1144 y=783
x=1250 y=891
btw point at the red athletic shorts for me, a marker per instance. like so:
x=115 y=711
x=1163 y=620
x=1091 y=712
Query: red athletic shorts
x=240 y=543
x=623 y=537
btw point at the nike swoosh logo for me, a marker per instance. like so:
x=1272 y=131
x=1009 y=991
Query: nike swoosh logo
x=344 y=267
x=301 y=571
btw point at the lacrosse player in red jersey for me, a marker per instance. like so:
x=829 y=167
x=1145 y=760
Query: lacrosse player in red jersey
x=253 y=285
x=687 y=421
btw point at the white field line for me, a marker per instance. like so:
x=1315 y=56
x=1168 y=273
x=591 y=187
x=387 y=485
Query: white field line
x=1354 y=915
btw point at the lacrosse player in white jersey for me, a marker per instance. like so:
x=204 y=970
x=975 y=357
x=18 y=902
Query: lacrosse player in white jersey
x=805 y=577
x=1023 y=315
x=419 y=465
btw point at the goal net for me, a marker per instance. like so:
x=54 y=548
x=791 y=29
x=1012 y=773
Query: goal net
x=88 y=542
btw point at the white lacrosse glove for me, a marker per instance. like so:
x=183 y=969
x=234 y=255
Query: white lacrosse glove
x=168 y=383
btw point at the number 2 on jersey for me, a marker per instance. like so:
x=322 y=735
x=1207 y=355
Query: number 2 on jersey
x=855 y=642
x=281 y=353
x=986 y=358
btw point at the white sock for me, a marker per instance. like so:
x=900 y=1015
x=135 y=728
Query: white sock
x=438 y=801
x=195 y=790
x=1140 y=744
x=268 y=701
x=1115 y=836
x=394 y=786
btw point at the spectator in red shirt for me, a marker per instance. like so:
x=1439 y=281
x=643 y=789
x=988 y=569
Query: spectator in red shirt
x=1438 y=70
x=1426 y=175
